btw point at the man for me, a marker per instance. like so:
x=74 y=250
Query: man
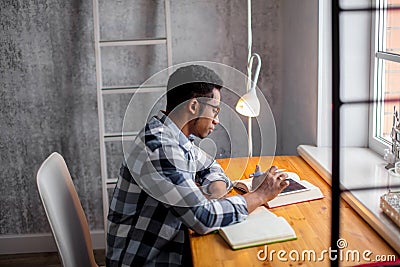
x=167 y=184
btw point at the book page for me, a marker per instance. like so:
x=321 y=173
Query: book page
x=293 y=176
x=243 y=185
x=262 y=226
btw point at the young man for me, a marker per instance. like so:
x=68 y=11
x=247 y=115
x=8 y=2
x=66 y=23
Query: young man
x=167 y=184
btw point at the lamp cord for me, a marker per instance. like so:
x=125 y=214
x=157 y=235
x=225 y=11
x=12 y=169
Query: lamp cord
x=249 y=66
x=249 y=43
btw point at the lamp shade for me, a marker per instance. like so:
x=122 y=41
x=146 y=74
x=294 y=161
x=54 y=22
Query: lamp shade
x=249 y=105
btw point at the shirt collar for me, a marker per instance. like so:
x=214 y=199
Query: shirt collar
x=184 y=142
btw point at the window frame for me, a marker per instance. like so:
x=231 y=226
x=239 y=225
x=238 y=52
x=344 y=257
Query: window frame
x=378 y=56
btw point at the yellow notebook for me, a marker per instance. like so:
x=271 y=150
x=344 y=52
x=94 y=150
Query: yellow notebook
x=261 y=227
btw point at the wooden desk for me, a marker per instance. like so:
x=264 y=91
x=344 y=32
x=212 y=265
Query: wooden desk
x=310 y=220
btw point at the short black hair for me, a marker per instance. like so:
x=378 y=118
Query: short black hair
x=190 y=82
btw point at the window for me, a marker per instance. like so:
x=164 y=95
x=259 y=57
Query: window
x=386 y=86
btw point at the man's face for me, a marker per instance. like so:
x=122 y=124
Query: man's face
x=208 y=116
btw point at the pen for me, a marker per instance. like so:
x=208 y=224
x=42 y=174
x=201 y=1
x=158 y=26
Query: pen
x=257 y=173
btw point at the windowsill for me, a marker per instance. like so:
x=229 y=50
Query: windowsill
x=360 y=167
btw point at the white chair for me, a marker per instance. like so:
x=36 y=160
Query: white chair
x=65 y=214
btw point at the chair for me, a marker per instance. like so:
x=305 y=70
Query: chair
x=65 y=214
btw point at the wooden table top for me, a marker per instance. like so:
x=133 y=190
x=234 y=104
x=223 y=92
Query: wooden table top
x=310 y=220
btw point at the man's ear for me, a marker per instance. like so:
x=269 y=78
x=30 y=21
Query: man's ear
x=193 y=106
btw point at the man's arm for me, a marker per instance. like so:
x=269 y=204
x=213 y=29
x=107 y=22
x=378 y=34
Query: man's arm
x=217 y=189
x=211 y=177
x=272 y=184
x=213 y=181
x=165 y=176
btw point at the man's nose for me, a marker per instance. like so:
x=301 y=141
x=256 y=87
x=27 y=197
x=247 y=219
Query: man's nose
x=216 y=120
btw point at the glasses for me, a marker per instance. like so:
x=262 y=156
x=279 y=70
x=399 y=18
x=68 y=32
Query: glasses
x=216 y=109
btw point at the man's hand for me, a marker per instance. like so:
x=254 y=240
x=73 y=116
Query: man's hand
x=268 y=186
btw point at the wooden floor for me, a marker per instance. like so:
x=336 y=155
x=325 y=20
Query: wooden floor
x=49 y=259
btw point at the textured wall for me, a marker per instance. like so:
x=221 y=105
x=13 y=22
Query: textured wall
x=48 y=88
x=48 y=103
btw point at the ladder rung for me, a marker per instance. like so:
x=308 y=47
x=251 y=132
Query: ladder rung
x=111 y=182
x=132 y=89
x=121 y=134
x=132 y=86
x=154 y=41
x=128 y=136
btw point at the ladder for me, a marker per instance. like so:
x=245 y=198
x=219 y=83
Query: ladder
x=105 y=136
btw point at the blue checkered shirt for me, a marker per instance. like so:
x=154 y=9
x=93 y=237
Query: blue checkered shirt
x=160 y=194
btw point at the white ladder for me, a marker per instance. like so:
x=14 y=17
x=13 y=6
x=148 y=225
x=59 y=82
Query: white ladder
x=109 y=182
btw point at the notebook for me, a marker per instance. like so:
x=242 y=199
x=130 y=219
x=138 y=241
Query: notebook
x=261 y=227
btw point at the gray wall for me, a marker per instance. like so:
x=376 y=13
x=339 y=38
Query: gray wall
x=47 y=103
x=48 y=88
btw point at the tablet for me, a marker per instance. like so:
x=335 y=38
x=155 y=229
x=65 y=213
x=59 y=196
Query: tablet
x=294 y=187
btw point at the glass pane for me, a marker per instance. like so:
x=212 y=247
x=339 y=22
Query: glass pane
x=390 y=96
x=388 y=72
x=392 y=27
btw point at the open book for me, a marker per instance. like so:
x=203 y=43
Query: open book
x=297 y=191
x=261 y=227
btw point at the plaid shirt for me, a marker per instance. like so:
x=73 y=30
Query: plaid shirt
x=159 y=195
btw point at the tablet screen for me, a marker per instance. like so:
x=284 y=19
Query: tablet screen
x=293 y=187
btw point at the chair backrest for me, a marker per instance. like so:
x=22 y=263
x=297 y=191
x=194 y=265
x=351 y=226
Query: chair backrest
x=64 y=212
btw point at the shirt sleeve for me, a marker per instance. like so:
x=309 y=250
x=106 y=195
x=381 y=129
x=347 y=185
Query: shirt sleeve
x=209 y=171
x=168 y=176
